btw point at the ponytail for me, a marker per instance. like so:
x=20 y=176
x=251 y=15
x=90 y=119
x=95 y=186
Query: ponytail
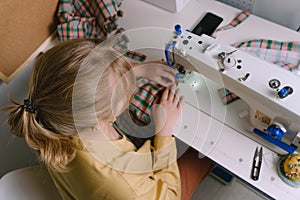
x=46 y=119
x=54 y=150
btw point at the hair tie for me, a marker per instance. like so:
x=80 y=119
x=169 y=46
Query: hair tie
x=29 y=106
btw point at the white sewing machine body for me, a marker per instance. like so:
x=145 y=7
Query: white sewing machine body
x=249 y=78
x=243 y=74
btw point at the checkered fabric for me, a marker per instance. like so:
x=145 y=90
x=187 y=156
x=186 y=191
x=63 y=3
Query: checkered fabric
x=227 y=96
x=283 y=54
x=145 y=94
x=242 y=16
x=136 y=122
x=87 y=18
x=92 y=19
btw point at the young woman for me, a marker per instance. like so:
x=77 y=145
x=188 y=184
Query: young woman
x=77 y=90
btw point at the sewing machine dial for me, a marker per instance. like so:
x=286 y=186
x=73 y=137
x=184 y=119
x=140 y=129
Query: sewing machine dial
x=228 y=62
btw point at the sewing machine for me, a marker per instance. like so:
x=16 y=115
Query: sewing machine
x=209 y=126
x=271 y=92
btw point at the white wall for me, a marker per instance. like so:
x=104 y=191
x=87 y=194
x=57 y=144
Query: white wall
x=14 y=152
x=284 y=12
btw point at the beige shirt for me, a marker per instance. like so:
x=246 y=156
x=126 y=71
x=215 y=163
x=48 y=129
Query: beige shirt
x=117 y=170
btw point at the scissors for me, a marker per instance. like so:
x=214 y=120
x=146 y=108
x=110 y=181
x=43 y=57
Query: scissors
x=257 y=160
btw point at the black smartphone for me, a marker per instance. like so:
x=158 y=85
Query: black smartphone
x=208 y=24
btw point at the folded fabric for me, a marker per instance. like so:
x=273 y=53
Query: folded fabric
x=93 y=19
x=284 y=54
x=87 y=18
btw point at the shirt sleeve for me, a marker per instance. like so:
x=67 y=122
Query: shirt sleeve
x=137 y=174
x=163 y=182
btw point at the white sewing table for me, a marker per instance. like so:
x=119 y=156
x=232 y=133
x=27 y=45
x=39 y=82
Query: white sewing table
x=223 y=144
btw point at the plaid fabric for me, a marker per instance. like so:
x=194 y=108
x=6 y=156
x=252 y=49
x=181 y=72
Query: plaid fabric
x=283 y=54
x=236 y=21
x=136 y=122
x=87 y=18
x=91 y=19
x=145 y=94
x=227 y=96
x=120 y=44
x=271 y=44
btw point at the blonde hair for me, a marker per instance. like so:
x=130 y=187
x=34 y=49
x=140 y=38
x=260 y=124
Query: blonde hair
x=50 y=131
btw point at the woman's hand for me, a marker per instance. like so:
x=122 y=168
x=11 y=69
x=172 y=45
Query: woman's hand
x=167 y=112
x=158 y=71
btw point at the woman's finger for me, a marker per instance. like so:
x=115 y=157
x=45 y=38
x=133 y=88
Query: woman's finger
x=171 y=95
x=165 y=95
x=176 y=96
x=180 y=102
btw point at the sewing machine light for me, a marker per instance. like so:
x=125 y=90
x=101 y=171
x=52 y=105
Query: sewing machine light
x=193 y=79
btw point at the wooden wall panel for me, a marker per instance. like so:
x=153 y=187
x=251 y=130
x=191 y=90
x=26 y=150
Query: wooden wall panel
x=24 y=26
